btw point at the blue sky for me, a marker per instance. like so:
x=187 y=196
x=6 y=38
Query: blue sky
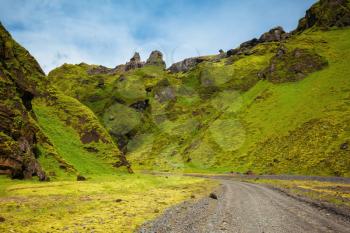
x=108 y=32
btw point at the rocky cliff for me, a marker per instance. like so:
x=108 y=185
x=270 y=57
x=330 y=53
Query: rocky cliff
x=278 y=103
x=21 y=80
x=23 y=142
x=326 y=14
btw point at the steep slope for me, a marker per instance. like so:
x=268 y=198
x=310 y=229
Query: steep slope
x=277 y=104
x=20 y=76
x=325 y=14
x=43 y=132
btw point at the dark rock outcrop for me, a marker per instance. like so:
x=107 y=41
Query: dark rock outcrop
x=21 y=79
x=213 y=196
x=344 y=146
x=291 y=66
x=186 y=65
x=140 y=105
x=326 y=14
x=81 y=178
x=134 y=63
x=274 y=35
x=156 y=59
x=163 y=91
x=220 y=56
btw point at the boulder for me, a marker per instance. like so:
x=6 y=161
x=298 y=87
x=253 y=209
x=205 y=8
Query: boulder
x=80 y=178
x=249 y=43
x=220 y=56
x=140 y=105
x=213 y=196
x=275 y=34
x=344 y=146
x=186 y=65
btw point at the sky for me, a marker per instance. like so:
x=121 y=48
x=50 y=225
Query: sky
x=108 y=32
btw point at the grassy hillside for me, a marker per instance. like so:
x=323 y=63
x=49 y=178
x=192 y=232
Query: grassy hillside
x=277 y=104
x=45 y=133
x=221 y=116
x=76 y=136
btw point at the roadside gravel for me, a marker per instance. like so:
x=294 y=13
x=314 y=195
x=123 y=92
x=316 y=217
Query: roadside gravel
x=246 y=208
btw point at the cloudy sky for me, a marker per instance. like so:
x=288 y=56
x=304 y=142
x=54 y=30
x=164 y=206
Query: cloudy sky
x=108 y=32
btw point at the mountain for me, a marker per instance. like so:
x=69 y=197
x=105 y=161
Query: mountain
x=43 y=132
x=277 y=104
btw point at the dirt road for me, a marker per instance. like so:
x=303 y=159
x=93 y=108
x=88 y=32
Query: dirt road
x=246 y=208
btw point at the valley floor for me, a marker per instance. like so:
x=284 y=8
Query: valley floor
x=247 y=208
x=117 y=203
x=165 y=203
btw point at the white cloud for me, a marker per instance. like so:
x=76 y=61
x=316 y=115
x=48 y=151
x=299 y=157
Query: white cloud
x=108 y=32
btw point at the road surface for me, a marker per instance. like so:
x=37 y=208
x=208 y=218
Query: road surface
x=246 y=208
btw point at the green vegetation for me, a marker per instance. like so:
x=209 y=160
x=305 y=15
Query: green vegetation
x=117 y=203
x=335 y=193
x=277 y=107
x=221 y=116
x=67 y=132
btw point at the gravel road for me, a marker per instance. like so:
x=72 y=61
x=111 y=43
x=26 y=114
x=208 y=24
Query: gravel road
x=246 y=208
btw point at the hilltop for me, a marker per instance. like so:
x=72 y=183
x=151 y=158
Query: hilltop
x=89 y=148
x=45 y=133
x=276 y=104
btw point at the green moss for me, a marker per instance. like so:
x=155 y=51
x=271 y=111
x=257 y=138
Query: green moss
x=64 y=131
x=291 y=66
x=92 y=205
x=335 y=193
x=120 y=120
x=220 y=116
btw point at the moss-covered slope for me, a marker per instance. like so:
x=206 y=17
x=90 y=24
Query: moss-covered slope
x=277 y=104
x=43 y=132
x=21 y=79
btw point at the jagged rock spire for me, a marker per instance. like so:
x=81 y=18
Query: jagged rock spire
x=135 y=62
x=156 y=58
x=136 y=57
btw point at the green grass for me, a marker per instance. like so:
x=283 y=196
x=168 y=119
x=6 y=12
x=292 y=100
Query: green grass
x=71 y=206
x=66 y=140
x=335 y=193
x=317 y=103
x=224 y=118
x=293 y=128
x=120 y=119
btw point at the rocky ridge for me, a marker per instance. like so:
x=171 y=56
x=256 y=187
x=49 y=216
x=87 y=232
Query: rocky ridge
x=18 y=86
x=179 y=115
x=326 y=14
x=22 y=140
x=155 y=59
